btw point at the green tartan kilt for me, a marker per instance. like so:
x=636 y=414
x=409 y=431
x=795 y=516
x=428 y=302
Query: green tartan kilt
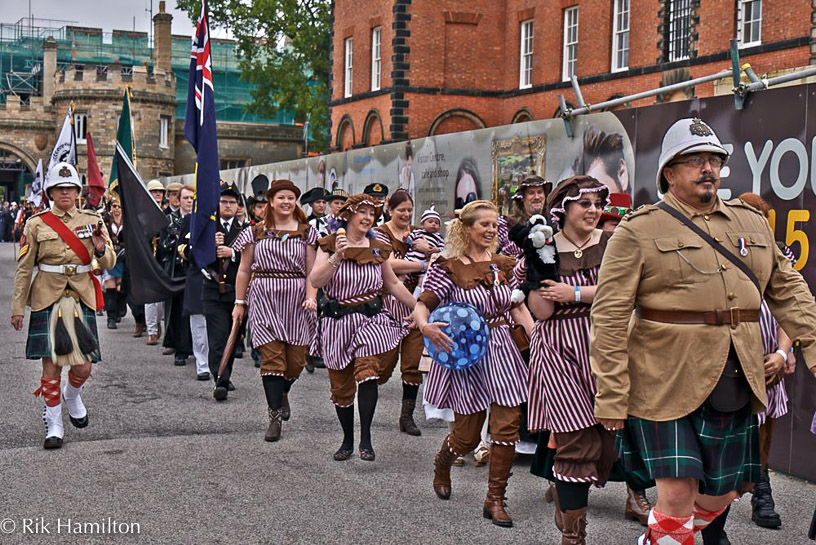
x=38 y=343
x=720 y=450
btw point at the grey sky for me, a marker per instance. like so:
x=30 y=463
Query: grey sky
x=105 y=14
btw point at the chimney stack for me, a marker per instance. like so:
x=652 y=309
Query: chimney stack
x=49 y=69
x=162 y=45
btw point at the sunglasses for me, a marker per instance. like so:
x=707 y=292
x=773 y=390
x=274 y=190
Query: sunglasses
x=586 y=204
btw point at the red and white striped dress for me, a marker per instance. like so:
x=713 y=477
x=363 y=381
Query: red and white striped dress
x=278 y=284
x=777 y=404
x=357 y=280
x=501 y=376
x=562 y=388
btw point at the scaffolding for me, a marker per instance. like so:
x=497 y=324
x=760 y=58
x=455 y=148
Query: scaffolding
x=21 y=63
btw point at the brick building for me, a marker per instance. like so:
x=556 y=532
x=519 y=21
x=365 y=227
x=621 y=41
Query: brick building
x=403 y=69
x=44 y=69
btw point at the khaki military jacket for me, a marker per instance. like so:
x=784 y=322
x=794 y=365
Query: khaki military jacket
x=41 y=244
x=663 y=371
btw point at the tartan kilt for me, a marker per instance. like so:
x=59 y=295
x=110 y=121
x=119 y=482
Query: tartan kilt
x=38 y=343
x=720 y=450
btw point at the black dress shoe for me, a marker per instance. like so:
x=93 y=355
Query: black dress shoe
x=79 y=422
x=220 y=393
x=343 y=453
x=367 y=454
x=309 y=367
x=239 y=355
x=319 y=363
x=231 y=386
x=168 y=351
x=179 y=361
x=203 y=376
x=52 y=442
x=112 y=324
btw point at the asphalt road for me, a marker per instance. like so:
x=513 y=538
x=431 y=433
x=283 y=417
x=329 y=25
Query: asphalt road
x=162 y=462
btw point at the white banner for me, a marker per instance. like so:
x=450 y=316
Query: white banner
x=37 y=186
x=65 y=149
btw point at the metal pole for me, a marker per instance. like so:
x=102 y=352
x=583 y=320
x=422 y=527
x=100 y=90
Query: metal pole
x=784 y=78
x=645 y=94
x=577 y=89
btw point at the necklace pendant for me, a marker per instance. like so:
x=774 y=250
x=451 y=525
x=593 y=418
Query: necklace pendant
x=578 y=253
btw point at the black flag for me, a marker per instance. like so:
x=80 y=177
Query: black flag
x=143 y=219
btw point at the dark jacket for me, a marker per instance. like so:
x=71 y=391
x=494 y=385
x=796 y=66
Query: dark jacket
x=213 y=289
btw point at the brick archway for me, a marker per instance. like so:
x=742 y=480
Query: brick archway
x=456 y=120
x=373 y=129
x=345 y=134
x=30 y=163
x=522 y=116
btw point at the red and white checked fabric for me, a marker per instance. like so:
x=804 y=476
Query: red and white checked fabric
x=668 y=530
x=703 y=518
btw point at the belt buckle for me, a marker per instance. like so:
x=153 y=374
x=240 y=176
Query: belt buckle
x=735 y=317
x=69 y=270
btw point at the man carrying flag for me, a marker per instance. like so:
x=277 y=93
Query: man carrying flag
x=199 y=128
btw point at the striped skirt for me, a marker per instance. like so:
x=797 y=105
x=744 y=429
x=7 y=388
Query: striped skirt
x=357 y=336
x=38 y=342
x=500 y=378
x=276 y=311
x=561 y=388
x=777 y=402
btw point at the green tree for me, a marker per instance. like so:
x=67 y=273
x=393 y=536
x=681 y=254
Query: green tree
x=283 y=50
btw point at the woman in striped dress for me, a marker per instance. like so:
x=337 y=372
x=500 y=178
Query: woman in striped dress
x=394 y=233
x=562 y=388
x=357 y=334
x=472 y=273
x=278 y=254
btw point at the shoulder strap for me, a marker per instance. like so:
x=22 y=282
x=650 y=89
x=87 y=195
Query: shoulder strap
x=68 y=236
x=713 y=243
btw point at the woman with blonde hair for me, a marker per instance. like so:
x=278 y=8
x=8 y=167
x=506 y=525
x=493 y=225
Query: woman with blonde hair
x=472 y=273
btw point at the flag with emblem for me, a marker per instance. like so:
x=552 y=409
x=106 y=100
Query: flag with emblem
x=199 y=129
x=124 y=138
x=65 y=148
x=36 y=197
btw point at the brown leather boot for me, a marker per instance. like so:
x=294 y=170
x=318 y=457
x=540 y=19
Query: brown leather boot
x=140 y=330
x=559 y=522
x=501 y=460
x=273 y=432
x=442 y=464
x=637 y=506
x=286 y=410
x=574 y=532
x=406 y=419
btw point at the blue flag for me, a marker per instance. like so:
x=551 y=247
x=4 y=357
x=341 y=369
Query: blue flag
x=199 y=129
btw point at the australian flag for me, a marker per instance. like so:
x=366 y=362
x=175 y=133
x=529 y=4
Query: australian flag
x=199 y=129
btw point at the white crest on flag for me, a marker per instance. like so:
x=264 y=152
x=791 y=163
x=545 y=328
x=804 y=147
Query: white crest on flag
x=36 y=186
x=65 y=148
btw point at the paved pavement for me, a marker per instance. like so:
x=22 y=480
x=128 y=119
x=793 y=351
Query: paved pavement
x=165 y=462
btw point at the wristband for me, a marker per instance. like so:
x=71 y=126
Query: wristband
x=98 y=253
x=422 y=267
x=783 y=354
x=240 y=302
x=577 y=294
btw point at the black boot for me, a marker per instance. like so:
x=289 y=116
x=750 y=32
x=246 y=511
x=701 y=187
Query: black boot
x=367 y=394
x=346 y=417
x=763 y=511
x=714 y=533
x=111 y=308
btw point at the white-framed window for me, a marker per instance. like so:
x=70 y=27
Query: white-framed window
x=749 y=22
x=349 y=69
x=570 y=63
x=164 y=132
x=678 y=30
x=620 y=35
x=80 y=128
x=526 y=54
x=376 y=58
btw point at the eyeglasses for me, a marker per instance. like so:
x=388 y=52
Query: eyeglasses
x=617 y=210
x=586 y=204
x=228 y=203
x=115 y=206
x=698 y=161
